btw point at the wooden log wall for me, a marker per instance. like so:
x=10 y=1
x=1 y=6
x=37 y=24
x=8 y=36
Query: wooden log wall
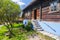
x=50 y=16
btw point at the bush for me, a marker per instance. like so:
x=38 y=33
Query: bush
x=22 y=25
x=28 y=27
x=15 y=25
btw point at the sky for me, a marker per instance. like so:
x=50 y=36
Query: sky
x=22 y=3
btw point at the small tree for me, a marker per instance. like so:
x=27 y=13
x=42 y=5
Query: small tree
x=9 y=12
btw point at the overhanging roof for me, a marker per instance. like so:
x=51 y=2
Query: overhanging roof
x=32 y=3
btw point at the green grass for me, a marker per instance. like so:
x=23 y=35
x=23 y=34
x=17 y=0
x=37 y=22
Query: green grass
x=3 y=29
x=20 y=33
x=15 y=25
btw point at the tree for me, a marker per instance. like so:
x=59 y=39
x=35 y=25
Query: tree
x=9 y=12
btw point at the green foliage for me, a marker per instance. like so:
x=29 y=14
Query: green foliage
x=15 y=25
x=20 y=33
x=9 y=11
x=3 y=29
x=19 y=36
x=20 y=25
x=28 y=27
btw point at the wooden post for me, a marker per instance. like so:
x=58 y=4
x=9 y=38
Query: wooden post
x=40 y=10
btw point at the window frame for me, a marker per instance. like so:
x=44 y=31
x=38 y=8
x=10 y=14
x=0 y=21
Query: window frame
x=57 y=9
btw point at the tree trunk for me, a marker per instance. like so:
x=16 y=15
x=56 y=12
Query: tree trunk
x=10 y=31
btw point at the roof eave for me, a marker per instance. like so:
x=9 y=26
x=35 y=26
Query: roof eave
x=29 y=4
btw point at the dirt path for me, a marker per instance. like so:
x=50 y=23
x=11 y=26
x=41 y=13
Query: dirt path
x=34 y=37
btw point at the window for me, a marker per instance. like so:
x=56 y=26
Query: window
x=54 y=6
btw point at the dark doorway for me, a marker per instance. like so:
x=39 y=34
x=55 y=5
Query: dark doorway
x=35 y=14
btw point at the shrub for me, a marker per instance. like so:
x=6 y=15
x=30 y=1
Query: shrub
x=28 y=27
x=22 y=25
x=15 y=25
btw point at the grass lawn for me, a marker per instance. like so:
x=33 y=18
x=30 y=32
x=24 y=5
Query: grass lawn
x=20 y=33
